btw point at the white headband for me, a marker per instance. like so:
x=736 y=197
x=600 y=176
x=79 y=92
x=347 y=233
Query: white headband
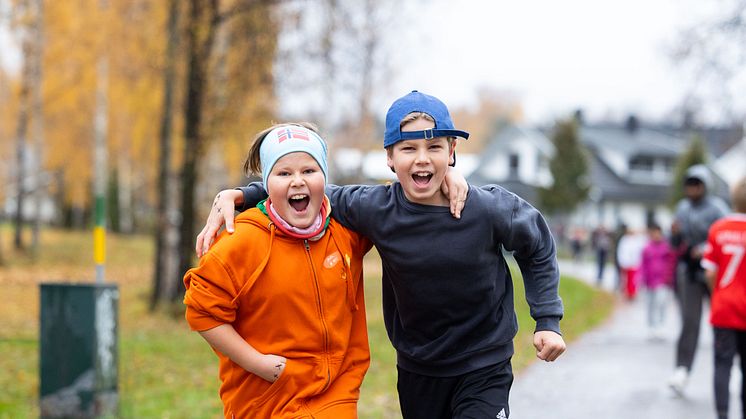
x=290 y=139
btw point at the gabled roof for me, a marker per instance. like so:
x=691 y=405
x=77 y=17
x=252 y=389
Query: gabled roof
x=511 y=133
x=630 y=143
x=610 y=187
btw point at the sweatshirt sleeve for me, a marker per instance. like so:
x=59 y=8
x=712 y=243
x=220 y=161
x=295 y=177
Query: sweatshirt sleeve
x=346 y=201
x=534 y=250
x=210 y=292
x=253 y=193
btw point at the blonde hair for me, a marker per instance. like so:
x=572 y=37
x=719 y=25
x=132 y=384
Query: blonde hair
x=738 y=196
x=413 y=116
x=253 y=163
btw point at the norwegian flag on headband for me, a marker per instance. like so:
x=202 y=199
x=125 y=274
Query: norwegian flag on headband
x=290 y=133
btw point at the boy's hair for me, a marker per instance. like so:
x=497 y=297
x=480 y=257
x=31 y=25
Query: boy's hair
x=410 y=117
x=738 y=196
x=413 y=116
x=253 y=163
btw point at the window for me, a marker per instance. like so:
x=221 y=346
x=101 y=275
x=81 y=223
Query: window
x=641 y=163
x=513 y=162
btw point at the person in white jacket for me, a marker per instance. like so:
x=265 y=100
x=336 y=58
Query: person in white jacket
x=629 y=254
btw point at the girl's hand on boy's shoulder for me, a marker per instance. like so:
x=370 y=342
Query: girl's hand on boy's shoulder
x=221 y=213
x=455 y=188
x=549 y=345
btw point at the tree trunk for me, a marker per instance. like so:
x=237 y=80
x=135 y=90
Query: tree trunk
x=124 y=190
x=166 y=232
x=101 y=157
x=22 y=129
x=202 y=19
x=37 y=123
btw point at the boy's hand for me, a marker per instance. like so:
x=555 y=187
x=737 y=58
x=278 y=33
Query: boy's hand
x=222 y=212
x=455 y=188
x=271 y=367
x=549 y=345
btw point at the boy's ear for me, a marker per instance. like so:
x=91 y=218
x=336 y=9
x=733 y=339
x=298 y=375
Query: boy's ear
x=389 y=160
x=452 y=153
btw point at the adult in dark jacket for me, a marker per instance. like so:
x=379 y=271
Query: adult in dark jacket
x=694 y=215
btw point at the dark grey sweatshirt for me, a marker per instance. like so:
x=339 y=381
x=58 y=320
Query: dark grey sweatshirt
x=447 y=291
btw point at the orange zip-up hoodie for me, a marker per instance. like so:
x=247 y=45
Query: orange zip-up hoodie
x=299 y=299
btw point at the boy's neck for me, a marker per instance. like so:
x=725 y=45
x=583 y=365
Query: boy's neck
x=437 y=200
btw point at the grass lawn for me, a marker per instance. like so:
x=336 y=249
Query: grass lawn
x=166 y=371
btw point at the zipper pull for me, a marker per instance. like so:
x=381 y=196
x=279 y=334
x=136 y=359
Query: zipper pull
x=305 y=243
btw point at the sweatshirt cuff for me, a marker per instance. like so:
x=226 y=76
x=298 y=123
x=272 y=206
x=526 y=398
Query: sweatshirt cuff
x=548 y=323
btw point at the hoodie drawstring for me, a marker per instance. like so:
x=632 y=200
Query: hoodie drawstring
x=347 y=275
x=252 y=279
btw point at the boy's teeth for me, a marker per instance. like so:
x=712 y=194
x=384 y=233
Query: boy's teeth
x=297 y=196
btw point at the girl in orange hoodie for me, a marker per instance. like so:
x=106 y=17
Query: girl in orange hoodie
x=281 y=299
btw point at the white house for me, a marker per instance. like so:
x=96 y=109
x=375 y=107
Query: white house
x=630 y=171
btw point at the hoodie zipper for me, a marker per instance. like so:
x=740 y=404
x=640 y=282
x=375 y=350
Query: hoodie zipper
x=321 y=313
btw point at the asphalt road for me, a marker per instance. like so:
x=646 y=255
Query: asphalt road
x=618 y=371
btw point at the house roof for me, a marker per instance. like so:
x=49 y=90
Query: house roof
x=608 y=186
x=641 y=141
x=513 y=133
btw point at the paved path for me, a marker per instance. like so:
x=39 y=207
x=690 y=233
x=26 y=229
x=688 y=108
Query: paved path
x=616 y=371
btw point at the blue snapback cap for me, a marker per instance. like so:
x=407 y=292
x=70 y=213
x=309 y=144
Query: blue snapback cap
x=419 y=102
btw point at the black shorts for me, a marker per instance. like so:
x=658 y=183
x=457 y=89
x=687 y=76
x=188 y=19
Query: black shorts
x=479 y=394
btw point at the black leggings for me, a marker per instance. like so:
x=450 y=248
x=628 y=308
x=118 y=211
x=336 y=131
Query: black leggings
x=728 y=343
x=692 y=294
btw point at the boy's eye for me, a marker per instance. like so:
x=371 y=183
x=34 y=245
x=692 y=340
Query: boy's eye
x=309 y=171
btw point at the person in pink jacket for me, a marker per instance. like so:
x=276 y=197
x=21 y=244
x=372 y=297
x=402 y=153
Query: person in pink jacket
x=656 y=274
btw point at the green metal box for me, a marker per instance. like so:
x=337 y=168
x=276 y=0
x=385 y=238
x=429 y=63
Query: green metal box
x=78 y=350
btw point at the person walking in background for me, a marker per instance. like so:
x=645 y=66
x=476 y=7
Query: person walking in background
x=693 y=217
x=620 y=231
x=577 y=242
x=656 y=274
x=629 y=253
x=601 y=242
x=724 y=261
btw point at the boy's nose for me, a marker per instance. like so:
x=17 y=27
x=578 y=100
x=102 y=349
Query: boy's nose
x=421 y=156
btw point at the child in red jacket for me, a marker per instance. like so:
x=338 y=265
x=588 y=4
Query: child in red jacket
x=724 y=261
x=281 y=299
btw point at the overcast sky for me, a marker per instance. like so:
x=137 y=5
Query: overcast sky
x=608 y=57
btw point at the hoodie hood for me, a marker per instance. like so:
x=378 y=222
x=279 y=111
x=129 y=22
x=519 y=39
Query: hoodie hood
x=700 y=172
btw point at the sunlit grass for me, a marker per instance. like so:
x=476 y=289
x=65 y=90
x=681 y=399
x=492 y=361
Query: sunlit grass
x=167 y=371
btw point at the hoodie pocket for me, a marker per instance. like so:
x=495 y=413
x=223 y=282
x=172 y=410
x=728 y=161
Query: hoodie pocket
x=275 y=387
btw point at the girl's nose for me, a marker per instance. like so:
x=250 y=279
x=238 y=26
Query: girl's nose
x=297 y=180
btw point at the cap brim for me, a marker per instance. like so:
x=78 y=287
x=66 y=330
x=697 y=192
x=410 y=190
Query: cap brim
x=433 y=133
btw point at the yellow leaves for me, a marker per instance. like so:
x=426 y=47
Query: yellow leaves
x=131 y=36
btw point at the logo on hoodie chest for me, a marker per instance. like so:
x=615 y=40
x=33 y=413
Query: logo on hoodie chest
x=332 y=260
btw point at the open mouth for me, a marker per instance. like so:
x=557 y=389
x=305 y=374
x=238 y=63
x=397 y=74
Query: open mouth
x=299 y=202
x=422 y=178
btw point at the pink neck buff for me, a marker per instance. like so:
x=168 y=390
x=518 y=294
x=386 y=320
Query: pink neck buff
x=313 y=232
